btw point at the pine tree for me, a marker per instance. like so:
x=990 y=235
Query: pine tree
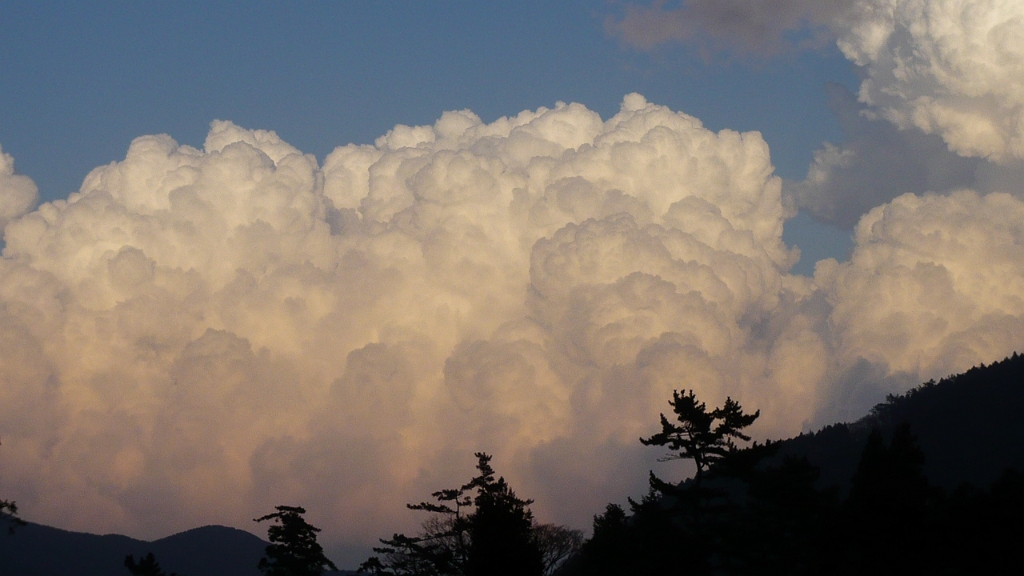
x=500 y=529
x=293 y=549
x=480 y=528
x=9 y=516
x=702 y=436
x=147 y=566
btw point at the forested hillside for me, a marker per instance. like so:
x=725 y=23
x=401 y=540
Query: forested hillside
x=967 y=426
x=928 y=483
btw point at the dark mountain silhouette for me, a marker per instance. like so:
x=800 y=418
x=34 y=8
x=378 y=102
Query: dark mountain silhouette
x=37 y=550
x=967 y=425
x=930 y=482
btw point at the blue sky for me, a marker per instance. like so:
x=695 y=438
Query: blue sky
x=81 y=80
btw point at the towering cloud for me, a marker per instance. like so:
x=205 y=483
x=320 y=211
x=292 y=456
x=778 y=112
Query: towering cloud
x=934 y=283
x=953 y=69
x=205 y=333
x=949 y=67
x=198 y=335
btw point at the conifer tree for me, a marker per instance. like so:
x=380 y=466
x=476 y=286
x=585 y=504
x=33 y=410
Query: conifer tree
x=481 y=528
x=9 y=515
x=702 y=436
x=146 y=566
x=293 y=549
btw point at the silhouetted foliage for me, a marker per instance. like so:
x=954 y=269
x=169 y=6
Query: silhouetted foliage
x=293 y=549
x=496 y=538
x=769 y=509
x=556 y=544
x=702 y=436
x=147 y=566
x=500 y=529
x=442 y=547
x=611 y=548
x=9 y=516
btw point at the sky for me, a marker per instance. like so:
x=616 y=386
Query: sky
x=318 y=254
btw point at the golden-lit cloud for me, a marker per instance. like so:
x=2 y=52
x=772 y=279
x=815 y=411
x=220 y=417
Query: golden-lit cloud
x=198 y=335
x=949 y=67
x=954 y=68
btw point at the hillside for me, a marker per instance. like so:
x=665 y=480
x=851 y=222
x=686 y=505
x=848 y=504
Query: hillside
x=37 y=550
x=928 y=483
x=967 y=425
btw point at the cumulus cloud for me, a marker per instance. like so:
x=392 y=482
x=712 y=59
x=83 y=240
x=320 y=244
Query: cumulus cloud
x=933 y=282
x=198 y=335
x=952 y=67
x=947 y=75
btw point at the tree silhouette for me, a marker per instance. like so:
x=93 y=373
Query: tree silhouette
x=702 y=436
x=888 y=503
x=556 y=544
x=9 y=515
x=147 y=566
x=494 y=539
x=442 y=547
x=293 y=549
x=848 y=499
x=500 y=529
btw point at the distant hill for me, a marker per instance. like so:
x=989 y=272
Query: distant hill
x=938 y=489
x=37 y=550
x=968 y=426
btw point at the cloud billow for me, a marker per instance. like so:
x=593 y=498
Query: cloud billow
x=947 y=67
x=878 y=162
x=196 y=335
x=940 y=105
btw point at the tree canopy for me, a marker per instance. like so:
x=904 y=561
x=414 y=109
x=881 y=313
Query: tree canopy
x=146 y=566
x=481 y=528
x=293 y=549
x=9 y=515
x=702 y=436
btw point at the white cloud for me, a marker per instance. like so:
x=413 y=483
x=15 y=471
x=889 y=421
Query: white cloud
x=949 y=67
x=934 y=284
x=198 y=335
x=954 y=68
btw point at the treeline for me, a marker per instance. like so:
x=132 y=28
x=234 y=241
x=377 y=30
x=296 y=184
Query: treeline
x=768 y=508
x=848 y=500
x=480 y=528
x=748 y=518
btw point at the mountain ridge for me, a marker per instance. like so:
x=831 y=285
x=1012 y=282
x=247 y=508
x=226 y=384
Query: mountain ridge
x=964 y=423
x=211 y=550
